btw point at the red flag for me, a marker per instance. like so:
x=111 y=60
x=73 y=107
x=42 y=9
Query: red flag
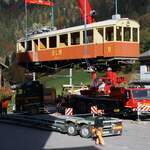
x=39 y=2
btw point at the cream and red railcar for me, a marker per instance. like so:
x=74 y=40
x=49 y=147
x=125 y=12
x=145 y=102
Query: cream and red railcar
x=114 y=39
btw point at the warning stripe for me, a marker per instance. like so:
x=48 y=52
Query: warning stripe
x=147 y=108
x=143 y=107
x=69 y=111
x=94 y=109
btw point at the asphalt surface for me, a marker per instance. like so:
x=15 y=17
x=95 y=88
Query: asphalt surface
x=136 y=136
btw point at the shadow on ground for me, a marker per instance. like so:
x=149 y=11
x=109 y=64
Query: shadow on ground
x=77 y=148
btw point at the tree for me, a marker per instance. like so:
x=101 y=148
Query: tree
x=7 y=63
x=145 y=39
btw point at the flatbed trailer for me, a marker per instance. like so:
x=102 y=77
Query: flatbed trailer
x=72 y=125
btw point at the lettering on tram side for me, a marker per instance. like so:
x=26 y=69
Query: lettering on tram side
x=56 y=52
x=109 y=49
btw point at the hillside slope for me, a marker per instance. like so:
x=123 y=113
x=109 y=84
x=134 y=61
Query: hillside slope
x=12 y=18
x=67 y=14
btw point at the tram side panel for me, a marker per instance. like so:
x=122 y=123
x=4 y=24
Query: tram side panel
x=121 y=49
x=106 y=39
x=105 y=50
x=67 y=53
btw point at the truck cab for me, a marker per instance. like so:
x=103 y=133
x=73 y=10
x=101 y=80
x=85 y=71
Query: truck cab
x=125 y=102
x=139 y=100
x=133 y=99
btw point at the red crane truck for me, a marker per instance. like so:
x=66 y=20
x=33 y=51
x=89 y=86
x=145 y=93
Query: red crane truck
x=126 y=102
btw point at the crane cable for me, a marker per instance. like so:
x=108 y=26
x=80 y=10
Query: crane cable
x=86 y=41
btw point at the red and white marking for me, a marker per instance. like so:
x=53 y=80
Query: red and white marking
x=69 y=111
x=143 y=107
x=93 y=109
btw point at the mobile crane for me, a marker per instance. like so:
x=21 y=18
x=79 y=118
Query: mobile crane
x=52 y=49
x=90 y=14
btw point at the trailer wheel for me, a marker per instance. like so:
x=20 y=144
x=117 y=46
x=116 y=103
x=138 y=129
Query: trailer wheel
x=71 y=129
x=85 y=131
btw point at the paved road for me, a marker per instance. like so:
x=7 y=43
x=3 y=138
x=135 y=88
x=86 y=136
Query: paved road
x=136 y=136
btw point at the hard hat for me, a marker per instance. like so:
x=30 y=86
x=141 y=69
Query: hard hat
x=109 y=69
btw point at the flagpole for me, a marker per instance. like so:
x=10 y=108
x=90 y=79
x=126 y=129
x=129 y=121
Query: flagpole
x=26 y=25
x=26 y=34
x=85 y=34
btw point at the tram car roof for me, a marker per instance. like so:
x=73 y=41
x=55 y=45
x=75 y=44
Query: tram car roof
x=125 y=22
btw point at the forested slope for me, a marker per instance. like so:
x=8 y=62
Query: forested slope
x=12 y=22
x=12 y=18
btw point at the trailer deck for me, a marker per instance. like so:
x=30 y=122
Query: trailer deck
x=71 y=125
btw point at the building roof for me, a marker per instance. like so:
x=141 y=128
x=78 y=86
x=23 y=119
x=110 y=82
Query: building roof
x=145 y=54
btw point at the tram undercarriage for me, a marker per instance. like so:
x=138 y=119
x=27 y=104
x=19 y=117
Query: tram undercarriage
x=98 y=64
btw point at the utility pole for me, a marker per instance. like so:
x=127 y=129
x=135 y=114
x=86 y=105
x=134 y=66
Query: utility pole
x=116 y=16
x=52 y=16
x=70 y=77
x=116 y=7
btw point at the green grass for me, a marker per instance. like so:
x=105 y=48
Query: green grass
x=79 y=76
x=57 y=80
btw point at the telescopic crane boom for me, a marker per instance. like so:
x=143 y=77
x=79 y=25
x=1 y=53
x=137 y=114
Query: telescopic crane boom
x=89 y=11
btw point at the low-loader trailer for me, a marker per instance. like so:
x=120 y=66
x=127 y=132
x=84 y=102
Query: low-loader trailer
x=72 y=125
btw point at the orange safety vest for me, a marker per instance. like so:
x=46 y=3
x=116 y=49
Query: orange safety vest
x=5 y=104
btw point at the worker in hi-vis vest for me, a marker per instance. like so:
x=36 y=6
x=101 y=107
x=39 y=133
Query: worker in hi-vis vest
x=4 y=107
x=98 y=131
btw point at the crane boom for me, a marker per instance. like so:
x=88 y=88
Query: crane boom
x=89 y=18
